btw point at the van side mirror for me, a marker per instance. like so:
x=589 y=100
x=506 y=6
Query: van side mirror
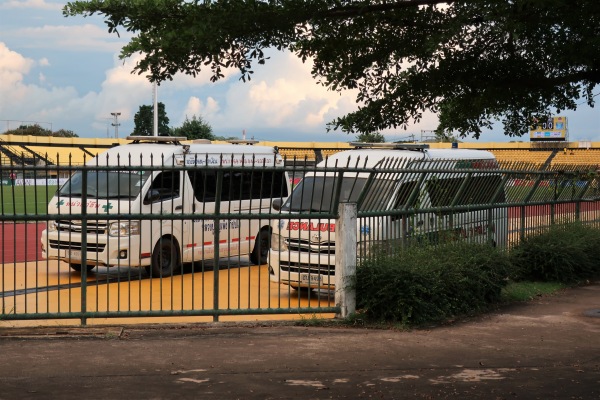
x=277 y=204
x=152 y=196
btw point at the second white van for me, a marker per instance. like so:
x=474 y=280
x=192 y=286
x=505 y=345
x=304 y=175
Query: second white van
x=452 y=200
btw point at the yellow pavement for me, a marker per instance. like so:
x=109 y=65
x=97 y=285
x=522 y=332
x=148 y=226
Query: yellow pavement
x=52 y=287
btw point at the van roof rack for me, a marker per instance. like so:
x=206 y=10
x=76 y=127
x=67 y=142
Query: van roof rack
x=157 y=139
x=390 y=146
x=243 y=141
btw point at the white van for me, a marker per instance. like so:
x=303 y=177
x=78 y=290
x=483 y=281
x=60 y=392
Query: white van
x=187 y=183
x=381 y=179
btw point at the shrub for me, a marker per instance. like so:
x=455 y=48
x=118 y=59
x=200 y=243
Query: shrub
x=566 y=253
x=430 y=283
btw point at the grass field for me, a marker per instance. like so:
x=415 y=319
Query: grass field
x=16 y=200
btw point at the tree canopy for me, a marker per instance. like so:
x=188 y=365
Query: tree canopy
x=144 y=121
x=472 y=62
x=372 y=137
x=37 y=130
x=195 y=128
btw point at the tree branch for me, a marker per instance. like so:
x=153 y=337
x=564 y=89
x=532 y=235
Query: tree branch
x=354 y=10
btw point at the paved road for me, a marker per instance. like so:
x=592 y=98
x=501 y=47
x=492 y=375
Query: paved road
x=546 y=349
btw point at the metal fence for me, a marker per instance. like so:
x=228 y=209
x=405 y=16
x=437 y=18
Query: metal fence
x=135 y=240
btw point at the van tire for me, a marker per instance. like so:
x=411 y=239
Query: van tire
x=77 y=267
x=260 y=253
x=165 y=258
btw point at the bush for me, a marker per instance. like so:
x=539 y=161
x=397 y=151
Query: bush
x=426 y=284
x=566 y=253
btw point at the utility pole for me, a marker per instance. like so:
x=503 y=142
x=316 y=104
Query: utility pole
x=155 y=108
x=116 y=123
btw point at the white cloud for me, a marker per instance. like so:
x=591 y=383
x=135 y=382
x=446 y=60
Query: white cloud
x=184 y=81
x=283 y=95
x=31 y=4
x=77 y=38
x=13 y=67
x=64 y=106
x=43 y=62
x=13 y=63
x=121 y=92
x=195 y=107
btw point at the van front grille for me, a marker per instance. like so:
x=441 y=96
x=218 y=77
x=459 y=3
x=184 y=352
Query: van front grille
x=76 y=226
x=297 y=267
x=64 y=245
x=306 y=246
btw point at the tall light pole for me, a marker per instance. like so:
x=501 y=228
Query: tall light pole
x=155 y=108
x=116 y=123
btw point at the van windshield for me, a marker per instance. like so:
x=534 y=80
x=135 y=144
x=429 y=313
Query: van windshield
x=315 y=193
x=105 y=184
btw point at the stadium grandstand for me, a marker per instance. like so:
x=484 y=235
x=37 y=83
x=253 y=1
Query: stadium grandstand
x=16 y=150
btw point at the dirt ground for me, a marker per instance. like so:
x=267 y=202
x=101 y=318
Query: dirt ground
x=548 y=348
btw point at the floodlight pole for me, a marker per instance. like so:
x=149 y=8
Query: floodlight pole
x=116 y=123
x=155 y=96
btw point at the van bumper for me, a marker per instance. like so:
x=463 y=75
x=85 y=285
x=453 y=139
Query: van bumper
x=101 y=250
x=302 y=270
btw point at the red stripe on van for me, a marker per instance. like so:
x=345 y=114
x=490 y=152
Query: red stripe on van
x=191 y=245
x=250 y=237
x=146 y=255
x=235 y=240
x=207 y=243
x=223 y=241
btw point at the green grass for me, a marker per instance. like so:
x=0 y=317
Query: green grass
x=525 y=291
x=17 y=200
x=314 y=320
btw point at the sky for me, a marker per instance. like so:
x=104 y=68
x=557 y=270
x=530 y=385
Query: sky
x=65 y=73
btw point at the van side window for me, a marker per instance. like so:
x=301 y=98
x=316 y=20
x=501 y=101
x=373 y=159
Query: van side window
x=477 y=190
x=239 y=185
x=164 y=186
x=268 y=184
x=404 y=192
x=232 y=185
x=204 y=184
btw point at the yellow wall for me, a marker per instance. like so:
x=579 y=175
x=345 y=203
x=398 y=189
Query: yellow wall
x=40 y=141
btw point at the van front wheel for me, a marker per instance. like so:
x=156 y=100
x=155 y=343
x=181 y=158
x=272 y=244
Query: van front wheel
x=165 y=258
x=260 y=252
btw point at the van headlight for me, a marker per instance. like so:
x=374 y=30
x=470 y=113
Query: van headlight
x=278 y=243
x=124 y=228
x=52 y=226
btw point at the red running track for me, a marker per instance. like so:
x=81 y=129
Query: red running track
x=20 y=242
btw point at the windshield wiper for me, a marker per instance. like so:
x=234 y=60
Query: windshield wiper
x=307 y=209
x=118 y=196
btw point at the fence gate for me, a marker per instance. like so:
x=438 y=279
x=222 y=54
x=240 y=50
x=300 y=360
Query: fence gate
x=201 y=240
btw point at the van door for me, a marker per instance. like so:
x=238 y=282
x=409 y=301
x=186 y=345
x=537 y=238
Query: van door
x=204 y=183
x=187 y=195
x=163 y=198
x=401 y=225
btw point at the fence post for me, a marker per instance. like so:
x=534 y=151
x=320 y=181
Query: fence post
x=84 y=223
x=345 y=260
